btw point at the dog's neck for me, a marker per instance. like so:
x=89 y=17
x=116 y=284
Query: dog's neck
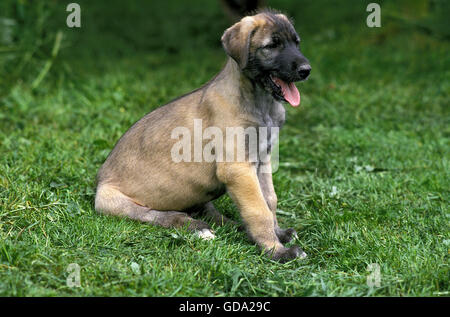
x=249 y=95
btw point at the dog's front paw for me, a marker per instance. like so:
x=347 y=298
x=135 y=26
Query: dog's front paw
x=287 y=254
x=285 y=235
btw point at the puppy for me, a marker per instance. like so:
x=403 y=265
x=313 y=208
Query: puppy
x=150 y=175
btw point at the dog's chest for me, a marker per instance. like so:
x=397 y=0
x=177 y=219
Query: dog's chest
x=270 y=119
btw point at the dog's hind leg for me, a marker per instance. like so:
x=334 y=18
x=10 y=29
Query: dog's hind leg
x=111 y=201
x=210 y=212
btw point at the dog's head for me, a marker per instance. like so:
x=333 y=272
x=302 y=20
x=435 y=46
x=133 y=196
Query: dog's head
x=266 y=48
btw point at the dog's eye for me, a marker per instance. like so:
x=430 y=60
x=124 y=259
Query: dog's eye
x=275 y=43
x=270 y=46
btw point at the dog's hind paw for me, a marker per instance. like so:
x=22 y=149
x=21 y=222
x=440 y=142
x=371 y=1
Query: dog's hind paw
x=205 y=234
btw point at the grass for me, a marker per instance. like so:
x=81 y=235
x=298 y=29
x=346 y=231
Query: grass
x=364 y=169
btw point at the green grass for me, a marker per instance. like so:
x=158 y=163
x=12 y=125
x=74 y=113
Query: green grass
x=364 y=169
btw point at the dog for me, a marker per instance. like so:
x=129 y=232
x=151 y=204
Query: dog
x=141 y=180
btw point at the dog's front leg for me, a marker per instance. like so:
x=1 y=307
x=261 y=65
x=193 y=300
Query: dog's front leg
x=243 y=186
x=266 y=183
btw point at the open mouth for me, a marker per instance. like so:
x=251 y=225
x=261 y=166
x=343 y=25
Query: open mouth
x=286 y=91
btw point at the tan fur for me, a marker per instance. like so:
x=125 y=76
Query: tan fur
x=140 y=180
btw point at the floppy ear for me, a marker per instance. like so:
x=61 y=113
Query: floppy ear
x=236 y=40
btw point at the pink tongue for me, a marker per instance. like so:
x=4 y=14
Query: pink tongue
x=290 y=92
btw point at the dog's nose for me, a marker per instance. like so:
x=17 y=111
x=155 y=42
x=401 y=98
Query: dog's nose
x=304 y=70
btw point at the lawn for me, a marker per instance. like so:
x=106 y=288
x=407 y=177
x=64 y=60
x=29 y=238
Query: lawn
x=364 y=161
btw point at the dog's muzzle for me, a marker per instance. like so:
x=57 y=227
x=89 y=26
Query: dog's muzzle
x=304 y=71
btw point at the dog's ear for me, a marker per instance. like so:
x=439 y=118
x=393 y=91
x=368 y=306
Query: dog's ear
x=236 y=40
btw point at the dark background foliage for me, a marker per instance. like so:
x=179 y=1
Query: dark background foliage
x=363 y=171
